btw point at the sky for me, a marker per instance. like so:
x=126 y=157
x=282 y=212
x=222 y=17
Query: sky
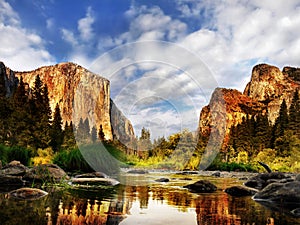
x=163 y=57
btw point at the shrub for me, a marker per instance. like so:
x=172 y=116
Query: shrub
x=71 y=161
x=20 y=154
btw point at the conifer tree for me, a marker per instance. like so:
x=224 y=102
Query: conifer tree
x=69 y=141
x=294 y=115
x=94 y=134
x=101 y=134
x=56 y=130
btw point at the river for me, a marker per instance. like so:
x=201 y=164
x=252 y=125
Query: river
x=139 y=199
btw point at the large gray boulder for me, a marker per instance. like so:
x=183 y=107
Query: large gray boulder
x=260 y=181
x=280 y=193
x=46 y=173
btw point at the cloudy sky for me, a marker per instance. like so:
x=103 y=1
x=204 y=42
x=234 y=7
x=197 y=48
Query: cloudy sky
x=164 y=58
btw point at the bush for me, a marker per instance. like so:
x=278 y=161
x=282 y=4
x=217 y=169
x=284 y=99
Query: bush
x=72 y=161
x=20 y=154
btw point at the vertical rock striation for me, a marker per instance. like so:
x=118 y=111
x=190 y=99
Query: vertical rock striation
x=79 y=93
x=263 y=94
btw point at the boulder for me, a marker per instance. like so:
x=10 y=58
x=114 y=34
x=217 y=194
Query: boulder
x=162 y=180
x=11 y=180
x=27 y=193
x=280 y=193
x=92 y=175
x=46 y=173
x=14 y=168
x=262 y=180
x=239 y=191
x=95 y=181
x=138 y=171
x=216 y=174
x=201 y=186
x=297 y=177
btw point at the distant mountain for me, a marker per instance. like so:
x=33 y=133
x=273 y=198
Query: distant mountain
x=264 y=94
x=79 y=94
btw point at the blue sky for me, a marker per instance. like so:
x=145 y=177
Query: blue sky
x=227 y=37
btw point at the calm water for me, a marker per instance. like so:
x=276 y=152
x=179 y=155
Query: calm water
x=141 y=201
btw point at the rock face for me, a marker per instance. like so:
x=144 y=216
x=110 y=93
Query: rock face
x=79 y=93
x=263 y=94
x=8 y=81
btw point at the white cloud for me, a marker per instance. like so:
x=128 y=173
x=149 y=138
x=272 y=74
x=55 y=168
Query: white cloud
x=20 y=48
x=242 y=33
x=85 y=26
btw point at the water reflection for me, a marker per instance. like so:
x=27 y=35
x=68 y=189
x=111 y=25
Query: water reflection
x=132 y=204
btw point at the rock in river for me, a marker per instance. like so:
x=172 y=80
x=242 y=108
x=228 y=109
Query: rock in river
x=280 y=193
x=95 y=181
x=162 y=180
x=262 y=180
x=27 y=193
x=202 y=186
x=239 y=191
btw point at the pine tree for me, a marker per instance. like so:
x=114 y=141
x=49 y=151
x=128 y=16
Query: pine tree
x=262 y=133
x=101 y=134
x=69 y=141
x=294 y=115
x=40 y=115
x=278 y=140
x=56 y=130
x=94 y=134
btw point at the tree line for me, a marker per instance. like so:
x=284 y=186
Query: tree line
x=256 y=133
x=26 y=120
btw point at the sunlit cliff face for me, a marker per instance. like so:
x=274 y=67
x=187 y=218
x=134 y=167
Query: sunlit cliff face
x=263 y=94
x=82 y=94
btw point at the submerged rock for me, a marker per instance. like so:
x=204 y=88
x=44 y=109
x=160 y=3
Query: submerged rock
x=138 y=171
x=201 y=186
x=95 y=181
x=14 y=168
x=92 y=175
x=239 y=191
x=46 y=173
x=27 y=193
x=162 y=180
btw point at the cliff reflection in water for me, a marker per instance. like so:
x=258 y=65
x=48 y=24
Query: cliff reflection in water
x=153 y=204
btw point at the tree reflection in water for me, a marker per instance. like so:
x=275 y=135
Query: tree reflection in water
x=152 y=204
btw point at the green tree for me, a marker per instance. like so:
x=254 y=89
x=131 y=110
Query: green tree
x=57 y=135
x=101 y=134
x=144 y=144
x=94 y=134
x=294 y=114
x=69 y=141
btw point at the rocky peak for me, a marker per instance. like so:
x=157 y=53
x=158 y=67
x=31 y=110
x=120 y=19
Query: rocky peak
x=79 y=93
x=263 y=94
x=270 y=86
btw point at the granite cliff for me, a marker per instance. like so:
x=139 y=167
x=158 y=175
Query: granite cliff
x=79 y=93
x=263 y=94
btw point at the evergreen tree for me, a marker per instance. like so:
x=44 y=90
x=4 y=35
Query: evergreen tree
x=279 y=142
x=101 y=134
x=144 y=144
x=20 y=123
x=40 y=115
x=69 y=141
x=94 y=134
x=56 y=130
x=262 y=133
x=294 y=115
